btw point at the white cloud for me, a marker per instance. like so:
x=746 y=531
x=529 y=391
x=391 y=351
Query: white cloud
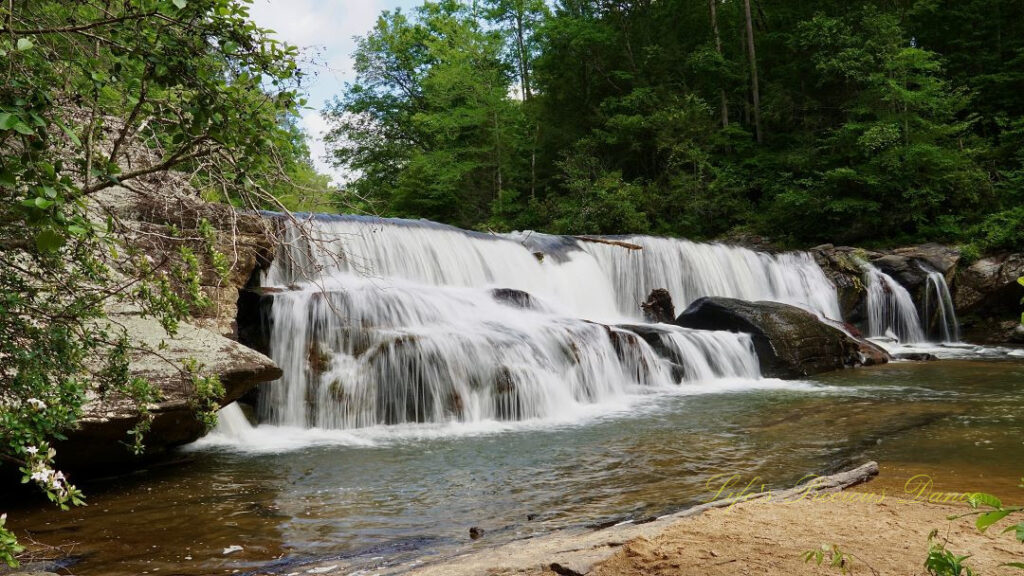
x=330 y=28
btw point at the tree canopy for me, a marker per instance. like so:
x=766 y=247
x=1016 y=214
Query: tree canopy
x=879 y=122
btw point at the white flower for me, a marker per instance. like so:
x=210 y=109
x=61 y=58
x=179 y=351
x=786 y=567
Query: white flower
x=36 y=403
x=41 y=476
x=32 y=450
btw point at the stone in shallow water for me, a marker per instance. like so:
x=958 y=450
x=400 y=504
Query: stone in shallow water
x=915 y=356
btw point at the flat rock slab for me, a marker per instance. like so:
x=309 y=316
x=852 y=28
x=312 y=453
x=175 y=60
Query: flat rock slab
x=100 y=439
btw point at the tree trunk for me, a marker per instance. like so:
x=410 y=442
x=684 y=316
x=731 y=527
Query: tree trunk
x=718 y=47
x=524 y=63
x=497 y=157
x=751 y=53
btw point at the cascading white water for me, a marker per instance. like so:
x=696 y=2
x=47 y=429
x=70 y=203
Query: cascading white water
x=434 y=254
x=392 y=321
x=890 y=308
x=231 y=422
x=938 y=301
x=689 y=270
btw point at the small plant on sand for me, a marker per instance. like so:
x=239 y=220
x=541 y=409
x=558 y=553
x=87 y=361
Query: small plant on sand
x=836 y=558
x=940 y=561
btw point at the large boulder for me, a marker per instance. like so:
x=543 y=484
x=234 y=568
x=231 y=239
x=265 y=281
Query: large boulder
x=790 y=342
x=938 y=257
x=99 y=444
x=987 y=298
x=910 y=265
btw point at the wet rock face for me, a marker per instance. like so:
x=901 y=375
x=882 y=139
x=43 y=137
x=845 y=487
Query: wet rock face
x=514 y=298
x=659 y=307
x=790 y=342
x=841 y=267
x=987 y=296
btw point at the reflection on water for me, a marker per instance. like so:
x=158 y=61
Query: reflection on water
x=386 y=497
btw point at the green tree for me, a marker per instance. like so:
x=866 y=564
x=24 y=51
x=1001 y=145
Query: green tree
x=902 y=157
x=428 y=129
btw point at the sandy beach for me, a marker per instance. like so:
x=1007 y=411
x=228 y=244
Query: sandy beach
x=883 y=530
x=761 y=537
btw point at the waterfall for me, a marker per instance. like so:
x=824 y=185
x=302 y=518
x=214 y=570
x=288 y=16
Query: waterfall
x=891 y=310
x=387 y=321
x=689 y=270
x=231 y=422
x=938 y=302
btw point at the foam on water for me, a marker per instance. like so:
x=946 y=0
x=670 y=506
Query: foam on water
x=947 y=350
x=236 y=434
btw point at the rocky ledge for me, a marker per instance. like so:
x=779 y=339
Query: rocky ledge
x=985 y=292
x=101 y=441
x=159 y=217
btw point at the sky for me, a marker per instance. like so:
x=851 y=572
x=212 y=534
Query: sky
x=327 y=28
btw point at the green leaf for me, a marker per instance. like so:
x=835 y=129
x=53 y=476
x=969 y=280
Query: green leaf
x=7 y=120
x=1019 y=528
x=980 y=498
x=1019 y=565
x=24 y=44
x=48 y=240
x=22 y=128
x=43 y=203
x=71 y=135
x=989 y=518
x=180 y=4
x=7 y=179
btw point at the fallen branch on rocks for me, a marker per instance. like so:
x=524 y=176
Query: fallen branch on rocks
x=618 y=243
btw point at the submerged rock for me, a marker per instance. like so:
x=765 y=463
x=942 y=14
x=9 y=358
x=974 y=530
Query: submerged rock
x=476 y=533
x=513 y=297
x=790 y=342
x=915 y=356
x=659 y=307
